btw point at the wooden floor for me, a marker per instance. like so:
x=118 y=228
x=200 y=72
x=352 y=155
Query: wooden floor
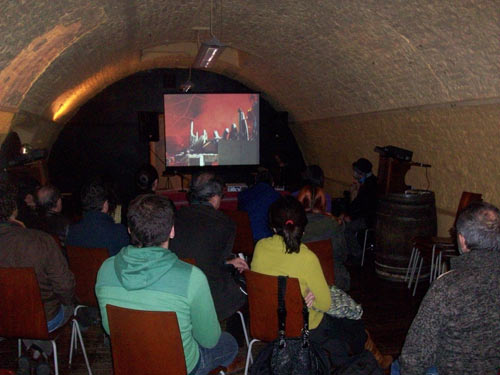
x=388 y=308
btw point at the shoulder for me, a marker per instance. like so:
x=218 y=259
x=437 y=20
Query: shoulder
x=307 y=254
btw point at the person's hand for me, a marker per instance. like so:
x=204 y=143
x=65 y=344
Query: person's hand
x=309 y=298
x=239 y=264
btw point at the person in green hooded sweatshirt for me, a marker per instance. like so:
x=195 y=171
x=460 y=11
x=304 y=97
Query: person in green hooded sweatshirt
x=146 y=275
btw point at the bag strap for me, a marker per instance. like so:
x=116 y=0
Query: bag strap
x=281 y=305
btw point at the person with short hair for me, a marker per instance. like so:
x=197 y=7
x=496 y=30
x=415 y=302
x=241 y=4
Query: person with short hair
x=207 y=235
x=97 y=228
x=49 y=206
x=457 y=327
x=256 y=201
x=146 y=275
x=362 y=210
x=22 y=247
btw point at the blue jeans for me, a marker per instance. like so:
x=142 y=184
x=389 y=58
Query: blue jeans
x=221 y=354
x=395 y=369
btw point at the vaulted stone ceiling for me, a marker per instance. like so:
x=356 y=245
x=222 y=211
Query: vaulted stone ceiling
x=315 y=59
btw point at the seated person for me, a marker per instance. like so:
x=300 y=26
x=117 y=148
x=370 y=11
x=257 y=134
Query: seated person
x=457 y=327
x=314 y=176
x=361 y=213
x=21 y=247
x=207 y=235
x=284 y=254
x=322 y=226
x=49 y=205
x=26 y=202
x=146 y=275
x=256 y=201
x=97 y=228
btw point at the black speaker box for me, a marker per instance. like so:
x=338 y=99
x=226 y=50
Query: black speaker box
x=148 y=127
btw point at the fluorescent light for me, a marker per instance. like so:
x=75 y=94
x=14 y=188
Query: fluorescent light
x=208 y=53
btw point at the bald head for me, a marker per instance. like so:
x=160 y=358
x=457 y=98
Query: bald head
x=48 y=198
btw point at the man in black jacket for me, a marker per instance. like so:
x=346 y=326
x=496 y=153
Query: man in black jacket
x=362 y=208
x=457 y=328
x=204 y=233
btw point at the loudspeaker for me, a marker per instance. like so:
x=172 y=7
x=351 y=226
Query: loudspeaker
x=148 y=127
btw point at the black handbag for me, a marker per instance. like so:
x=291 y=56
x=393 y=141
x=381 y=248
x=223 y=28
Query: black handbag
x=290 y=356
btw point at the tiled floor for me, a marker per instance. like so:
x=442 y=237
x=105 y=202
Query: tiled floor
x=388 y=308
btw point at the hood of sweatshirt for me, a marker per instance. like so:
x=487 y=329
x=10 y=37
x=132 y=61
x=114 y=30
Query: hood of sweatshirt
x=138 y=268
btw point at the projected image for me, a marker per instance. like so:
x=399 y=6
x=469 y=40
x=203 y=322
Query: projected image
x=211 y=129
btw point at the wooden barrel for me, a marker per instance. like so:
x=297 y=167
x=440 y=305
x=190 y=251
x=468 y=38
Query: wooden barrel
x=400 y=218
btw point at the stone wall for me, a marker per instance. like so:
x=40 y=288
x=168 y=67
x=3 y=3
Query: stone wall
x=461 y=141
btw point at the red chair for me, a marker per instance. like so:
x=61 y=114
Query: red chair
x=145 y=342
x=324 y=252
x=243 y=242
x=84 y=262
x=263 y=306
x=22 y=315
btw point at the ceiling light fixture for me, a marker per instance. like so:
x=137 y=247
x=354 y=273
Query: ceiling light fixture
x=208 y=51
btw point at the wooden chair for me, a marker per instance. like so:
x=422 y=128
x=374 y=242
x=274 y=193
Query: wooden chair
x=84 y=263
x=324 y=252
x=242 y=318
x=431 y=249
x=22 y=315
x=243 y=242
x=263 y=306
x=145 y=342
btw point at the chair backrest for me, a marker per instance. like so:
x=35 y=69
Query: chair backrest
x=466 y=199
x=85 y=262
x=263 y=306
x=191 y=261
x=243 y=242
x=324 y=252
x=21 y=308
x=145 y=342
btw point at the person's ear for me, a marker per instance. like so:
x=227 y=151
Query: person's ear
x=172 y=232
x=105 y=207
x=462 y=244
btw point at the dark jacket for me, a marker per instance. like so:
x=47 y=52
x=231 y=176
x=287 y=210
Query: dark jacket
x=97 y=229
x=457 y=327
x=256 y=202
x=207 y=235
x=365 y=204
x=21 y=247
x=54 y=223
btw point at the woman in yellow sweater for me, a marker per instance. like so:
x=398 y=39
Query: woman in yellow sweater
x=284 y=254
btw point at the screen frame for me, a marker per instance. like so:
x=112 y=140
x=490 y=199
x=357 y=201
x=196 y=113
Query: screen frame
x=178 y=170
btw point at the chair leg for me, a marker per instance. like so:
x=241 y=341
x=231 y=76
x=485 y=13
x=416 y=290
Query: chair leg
x=249 y=354
x=79 y=333
x=418 y=275
x=410 y=262
x=243 y=325
x=56 y=365
x=72 y=345
x=416 y=259
x=433 y=264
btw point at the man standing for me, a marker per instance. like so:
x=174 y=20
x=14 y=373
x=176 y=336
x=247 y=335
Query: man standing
x=457 y=328
x=21 y=247
x=97 y=228
x=363 y=206
x=146 y=275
